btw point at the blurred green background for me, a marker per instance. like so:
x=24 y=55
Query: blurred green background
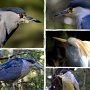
x=59 y=22
x=27 y=35
x=35 y=79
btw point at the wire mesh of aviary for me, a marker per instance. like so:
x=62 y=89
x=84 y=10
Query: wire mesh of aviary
x=35 y=79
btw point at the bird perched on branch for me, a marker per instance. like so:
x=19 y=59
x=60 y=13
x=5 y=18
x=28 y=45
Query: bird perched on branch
x=10 y=18
x=81 y=10
x=15 y=69
x=68 y=80
x=77 y=51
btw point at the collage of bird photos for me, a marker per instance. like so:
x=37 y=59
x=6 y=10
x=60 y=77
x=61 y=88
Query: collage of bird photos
x=45 y=45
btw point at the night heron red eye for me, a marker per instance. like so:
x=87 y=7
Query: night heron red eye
x=32 y=62
x=21 y=15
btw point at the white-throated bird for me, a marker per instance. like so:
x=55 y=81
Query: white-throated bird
x=81 y=9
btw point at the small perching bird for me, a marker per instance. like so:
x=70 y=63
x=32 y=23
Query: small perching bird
x=10 y=18
x=81 y=10
x=15 y=69
x=68 y=80
x=77 y=51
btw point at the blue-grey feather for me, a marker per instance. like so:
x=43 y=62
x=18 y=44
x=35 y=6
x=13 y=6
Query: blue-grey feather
x=11 y=70
x=76 y=62
x=64 y=71
x=30 y=60
x=78 y=3
x=13 y=9
x=85 y=23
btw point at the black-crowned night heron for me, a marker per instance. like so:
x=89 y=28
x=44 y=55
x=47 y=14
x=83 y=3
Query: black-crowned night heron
x=10 y=18
x=17 y=68
x=81 y=10
x=68 y=80
x=77 y=51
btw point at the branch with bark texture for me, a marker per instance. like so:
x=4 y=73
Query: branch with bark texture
x=6 y=57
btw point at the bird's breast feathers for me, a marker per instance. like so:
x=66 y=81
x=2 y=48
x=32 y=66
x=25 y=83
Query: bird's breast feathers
x=25 y=68
x=81 y=12
x=82 y=46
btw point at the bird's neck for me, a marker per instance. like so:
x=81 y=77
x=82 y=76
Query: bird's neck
x=11 y=27
x=80 y=12
x=26 y=64
x=25 y=68
x=67 y=85
x=67 y=81
x=10 y=20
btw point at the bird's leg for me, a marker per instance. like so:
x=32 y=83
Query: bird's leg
x=14 y=85
x=1 y=85
x=21 y=84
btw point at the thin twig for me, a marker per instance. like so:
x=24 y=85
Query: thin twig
x=6 y=57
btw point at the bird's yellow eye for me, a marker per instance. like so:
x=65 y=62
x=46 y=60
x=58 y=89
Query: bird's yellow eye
x=21 y=15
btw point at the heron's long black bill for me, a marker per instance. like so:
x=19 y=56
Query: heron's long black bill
x=38 y=66
x=62 y=12
x=35 y=20
x=60 y=76
x=32 y=19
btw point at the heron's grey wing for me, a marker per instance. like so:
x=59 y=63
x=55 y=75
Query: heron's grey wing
x=2 y=33
x=78 y=21
x=8 y=35
x=85 y=24
x=76 y=60
x=11 y=70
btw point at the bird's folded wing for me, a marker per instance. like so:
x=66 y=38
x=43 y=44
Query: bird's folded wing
x=86 y=22
x=10 y=70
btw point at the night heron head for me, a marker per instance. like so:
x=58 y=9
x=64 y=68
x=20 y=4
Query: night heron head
x=76 y=50
x=10 y=18
x=15 y=69
x=68 y=80
x=32 y=63
x=16 y=14
x=81 y=10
